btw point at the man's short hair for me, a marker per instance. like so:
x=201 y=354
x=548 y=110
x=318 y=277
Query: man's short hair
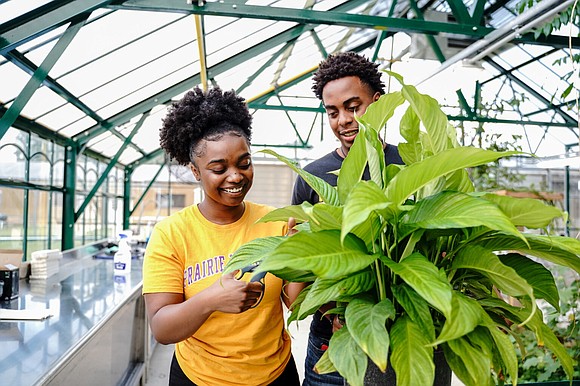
x=345 y=64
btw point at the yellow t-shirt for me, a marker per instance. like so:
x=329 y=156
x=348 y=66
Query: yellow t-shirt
x=186 y=253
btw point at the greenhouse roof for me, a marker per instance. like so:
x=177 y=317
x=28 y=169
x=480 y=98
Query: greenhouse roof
x=99 y=75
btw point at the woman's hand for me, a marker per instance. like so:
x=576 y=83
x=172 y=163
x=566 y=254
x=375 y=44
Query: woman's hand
x=234 y=296
x=291 y=225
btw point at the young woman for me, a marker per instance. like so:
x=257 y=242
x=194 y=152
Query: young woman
x=223 y=333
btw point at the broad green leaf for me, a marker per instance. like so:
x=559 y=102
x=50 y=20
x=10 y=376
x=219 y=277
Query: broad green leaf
x=321 y=253
x=457 y=210
x=410 y=152
x=433 y=118
x=487 y=263
x=409 y=129
x=504 y=346
x=353 y=166
x=375 y=157
x=325 y=217
x=325 y=291
x=526 y=211
x=419 y=174
x=411 y=357
x=366 y=323
x=252 y=252
x=324 y=364
x=460 y=181
x=325 y=191
x=423 y=276
x=348 y=358
x=465 y=315
x=300 y=212
x=379 y=112
x=416 y=307
x=559 y=250
x=467 y=362
x=365 y=198
x=538 y=276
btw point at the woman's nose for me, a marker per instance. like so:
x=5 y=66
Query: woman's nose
x=235 y=176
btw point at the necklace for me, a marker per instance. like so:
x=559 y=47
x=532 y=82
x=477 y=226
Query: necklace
x=341 y=152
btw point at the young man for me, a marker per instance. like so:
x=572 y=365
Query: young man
x=347 y=83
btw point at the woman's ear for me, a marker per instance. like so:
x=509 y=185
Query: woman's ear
x=195 y=171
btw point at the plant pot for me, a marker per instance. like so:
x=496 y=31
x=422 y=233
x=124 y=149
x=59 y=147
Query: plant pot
x=375 y=377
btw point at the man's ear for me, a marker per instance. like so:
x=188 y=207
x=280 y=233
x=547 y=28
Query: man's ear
x=376 y=96
x=195 y=171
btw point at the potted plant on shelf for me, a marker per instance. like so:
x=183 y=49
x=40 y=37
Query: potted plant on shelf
x=415 y=258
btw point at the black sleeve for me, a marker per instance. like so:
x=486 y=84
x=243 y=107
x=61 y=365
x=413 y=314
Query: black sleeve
x=303 y=192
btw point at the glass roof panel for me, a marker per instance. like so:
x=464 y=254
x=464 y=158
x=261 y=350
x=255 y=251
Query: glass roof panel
x=41 y=101
x=13 y=81
x=63 y=116
x=73 y=127
x=12 y=9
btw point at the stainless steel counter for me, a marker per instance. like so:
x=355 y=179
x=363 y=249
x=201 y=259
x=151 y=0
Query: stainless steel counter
x=97 y=335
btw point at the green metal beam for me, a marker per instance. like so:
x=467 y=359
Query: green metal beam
x=43 y=132
x=478 y=12
x=526 y=87
x=319 y=44
x=28 y=186
x=508 y=121
x=42 y=20
x=39 y=75
x=110 y=166
x=556 y=41
x=523 y=64
x=29 y=125
x=68 y=198
x=263 y=106
x=265 y=65
x=460 y=12
x=441 y=57
x=148 y=157
x=286 y=146
x=127 y=198
x=305 y=16
x=28 y=66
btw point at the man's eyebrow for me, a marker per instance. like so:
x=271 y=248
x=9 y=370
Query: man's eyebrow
x=344 y=103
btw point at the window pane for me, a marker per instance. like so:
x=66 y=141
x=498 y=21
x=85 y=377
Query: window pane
x=11 y=209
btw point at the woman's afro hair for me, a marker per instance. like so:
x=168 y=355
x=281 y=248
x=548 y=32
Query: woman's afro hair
x=347 y=64
x=203 y=115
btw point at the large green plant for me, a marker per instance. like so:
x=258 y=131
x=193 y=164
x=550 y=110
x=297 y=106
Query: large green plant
x=415 y=258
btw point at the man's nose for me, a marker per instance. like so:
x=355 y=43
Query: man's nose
x=345 y=118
